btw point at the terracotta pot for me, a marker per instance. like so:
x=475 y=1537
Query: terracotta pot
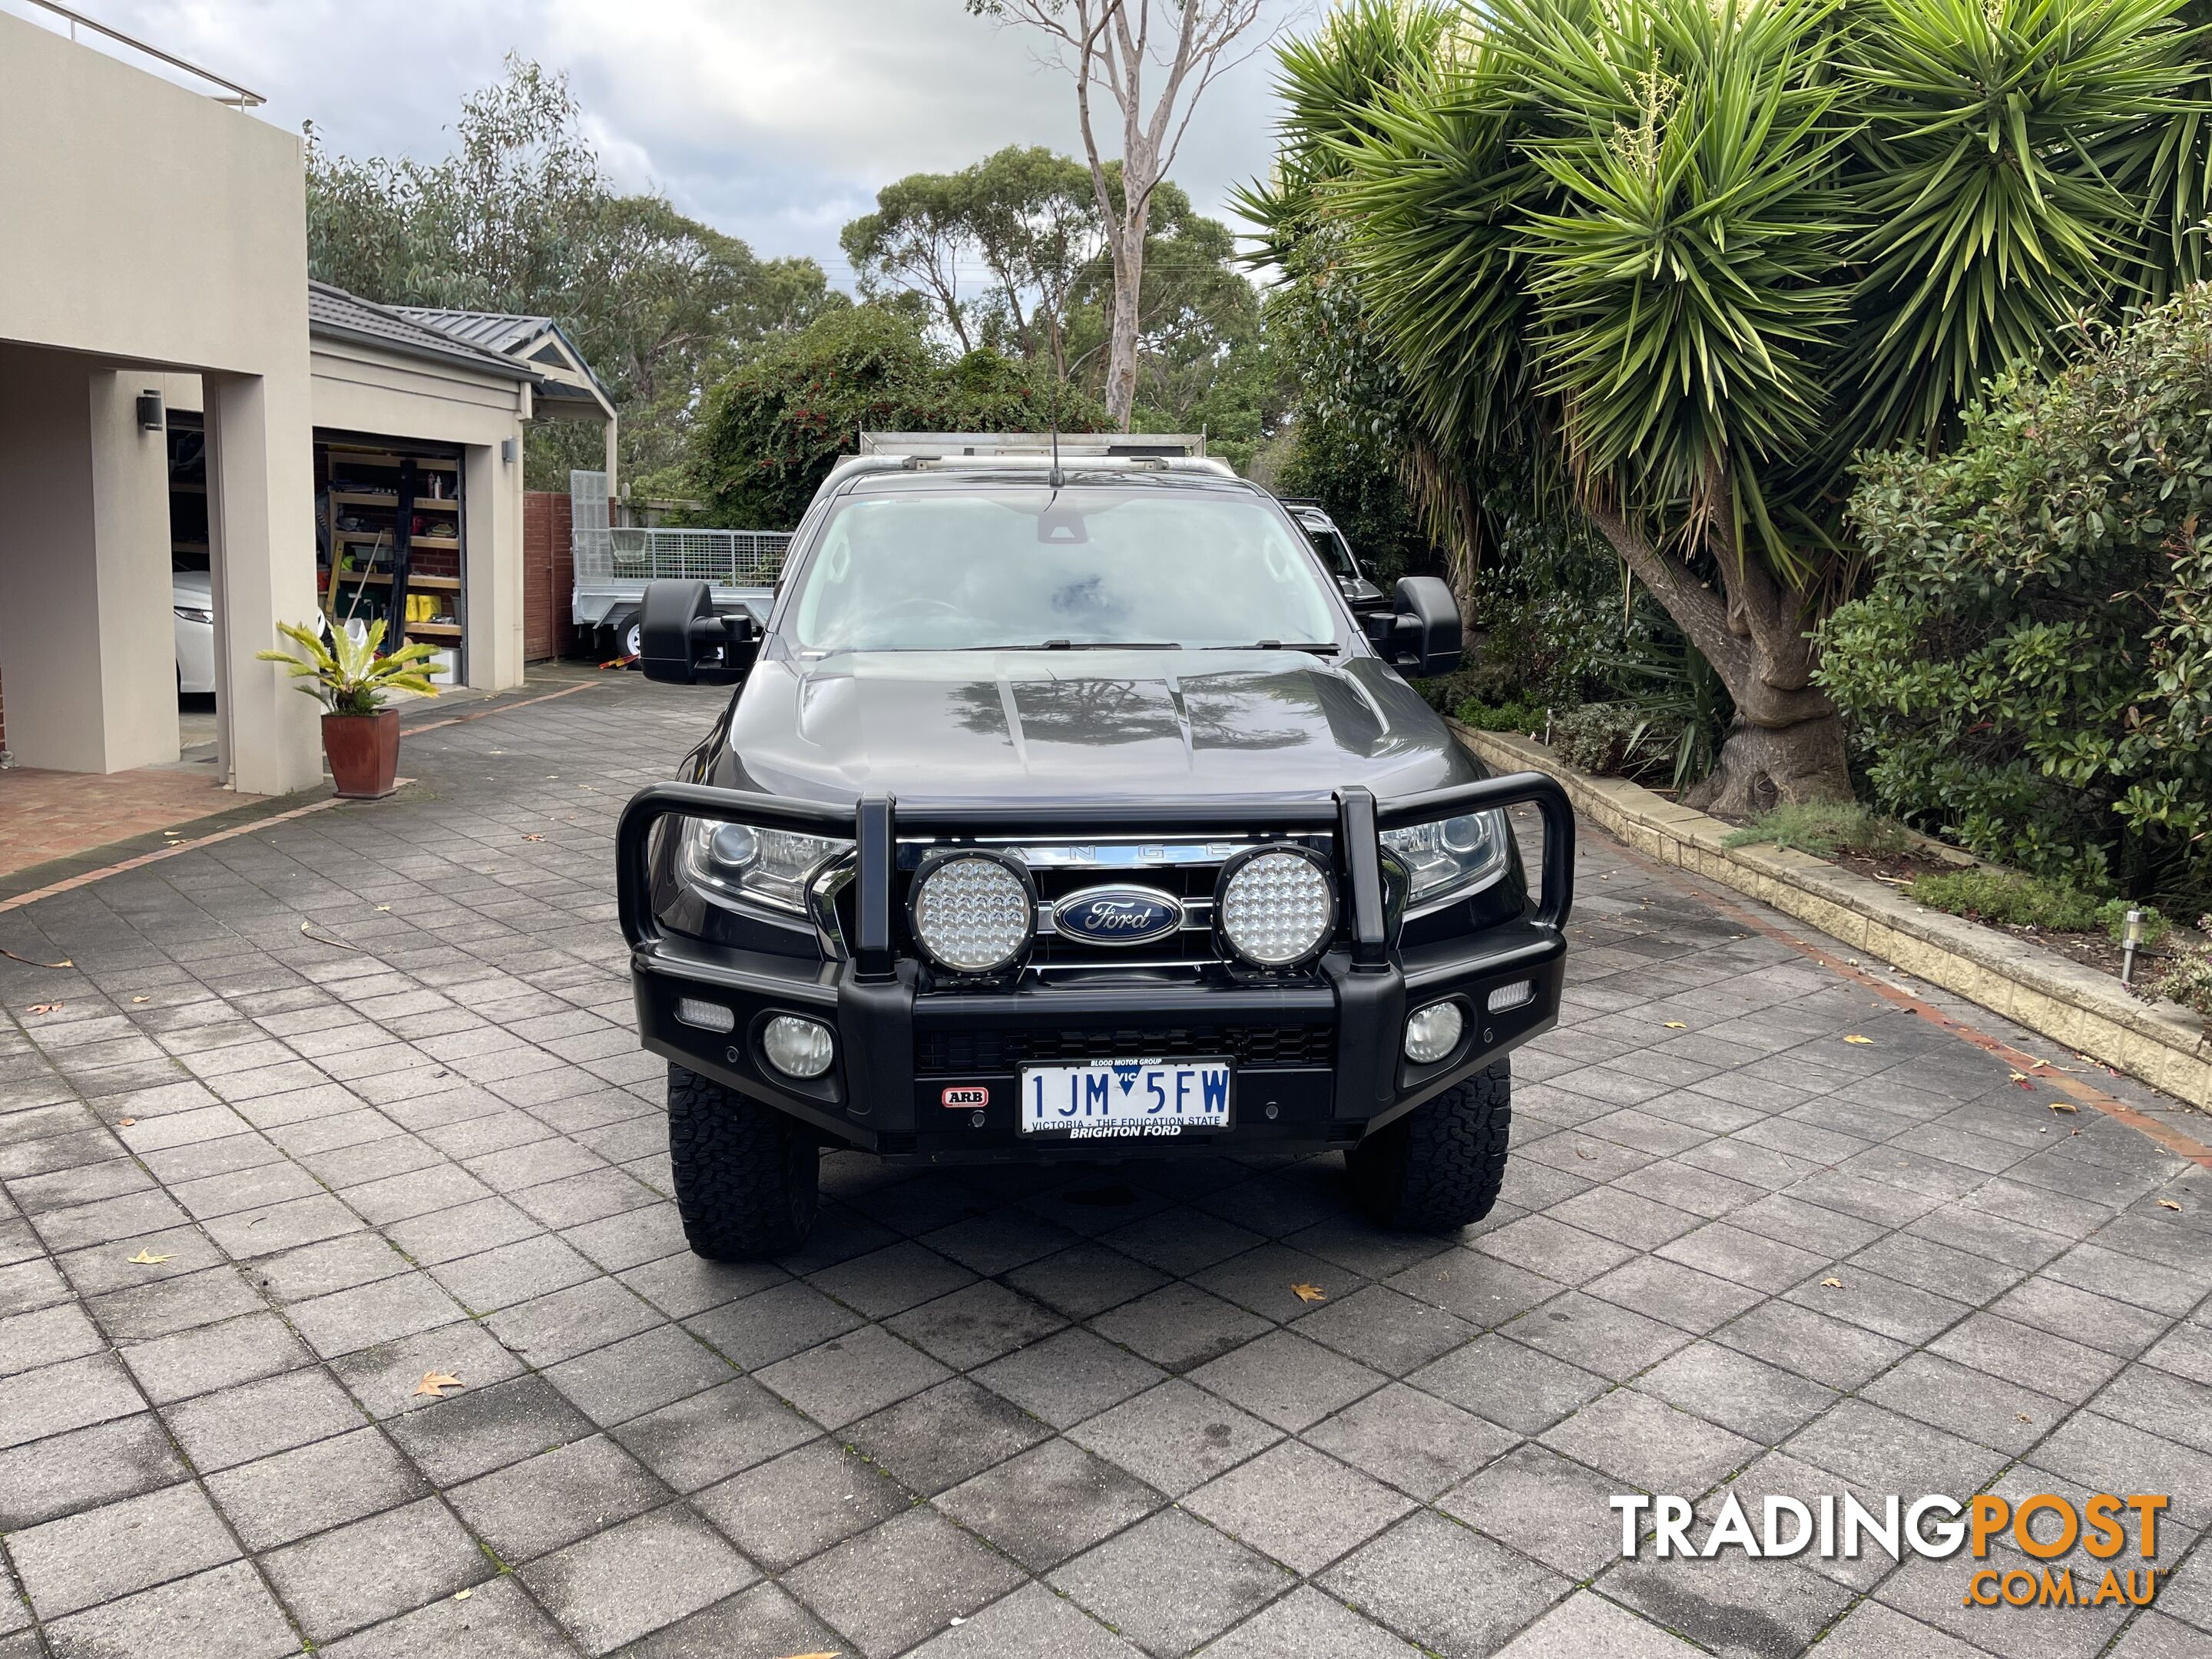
x=363 y=751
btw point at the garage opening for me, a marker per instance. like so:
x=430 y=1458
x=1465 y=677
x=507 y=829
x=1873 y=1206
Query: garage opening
x=391 y=543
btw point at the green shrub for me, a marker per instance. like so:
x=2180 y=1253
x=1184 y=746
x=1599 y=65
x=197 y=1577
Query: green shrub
x=776 y=425
x=1520 y=717
x=2113 y=913
x=1546 y=602
x=2011 y=899
x=2188 y=978
x=2030 y=668
x=1824 y=829
x=1616 y=740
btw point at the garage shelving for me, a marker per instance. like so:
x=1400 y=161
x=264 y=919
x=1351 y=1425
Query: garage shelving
x=367 y=549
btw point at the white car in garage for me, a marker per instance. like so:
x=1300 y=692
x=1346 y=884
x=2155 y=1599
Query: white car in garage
x=192 y=595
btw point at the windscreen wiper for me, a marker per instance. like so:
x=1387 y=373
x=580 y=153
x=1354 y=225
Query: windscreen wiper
x=1318 y=647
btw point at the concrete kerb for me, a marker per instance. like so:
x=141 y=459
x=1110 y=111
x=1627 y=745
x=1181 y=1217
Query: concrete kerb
x=2161 y=1043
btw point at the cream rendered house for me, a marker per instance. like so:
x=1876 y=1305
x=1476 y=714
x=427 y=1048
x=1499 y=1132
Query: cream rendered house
x=154 y=277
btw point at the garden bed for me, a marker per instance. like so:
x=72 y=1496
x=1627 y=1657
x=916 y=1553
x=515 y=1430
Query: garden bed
x=2072 y=1001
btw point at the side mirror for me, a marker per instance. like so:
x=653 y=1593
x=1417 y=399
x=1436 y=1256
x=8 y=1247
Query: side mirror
x=682 y=642
x=1424 y=634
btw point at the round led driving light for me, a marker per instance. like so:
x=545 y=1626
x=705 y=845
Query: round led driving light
x=1276 y=907
x=798 y=1048
x=1434 y=1031
x=971 y=913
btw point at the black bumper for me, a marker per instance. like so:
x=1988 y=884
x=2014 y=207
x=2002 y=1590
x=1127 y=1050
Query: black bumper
x=934 y=1075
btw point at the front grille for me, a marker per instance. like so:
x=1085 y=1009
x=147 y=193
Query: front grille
x=969 y=1053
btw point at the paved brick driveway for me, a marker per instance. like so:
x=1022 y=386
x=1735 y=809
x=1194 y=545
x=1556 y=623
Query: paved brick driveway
x=985 y=1414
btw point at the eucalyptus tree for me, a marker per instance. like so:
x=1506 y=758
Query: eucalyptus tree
x=1151 y=62
x=1681 y=261
x=994 y=251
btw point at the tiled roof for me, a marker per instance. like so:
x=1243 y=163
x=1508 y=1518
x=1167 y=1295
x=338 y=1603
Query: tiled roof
x=333 y=310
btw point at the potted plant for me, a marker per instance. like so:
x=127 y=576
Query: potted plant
x=360 y=736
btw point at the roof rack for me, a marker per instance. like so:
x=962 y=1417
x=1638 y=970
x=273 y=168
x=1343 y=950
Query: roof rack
x=1082 y=445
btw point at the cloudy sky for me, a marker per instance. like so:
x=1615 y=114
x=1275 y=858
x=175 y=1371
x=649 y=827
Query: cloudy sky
x=775 y=121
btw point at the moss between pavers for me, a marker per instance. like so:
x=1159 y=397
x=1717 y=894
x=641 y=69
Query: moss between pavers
x=2062 y=999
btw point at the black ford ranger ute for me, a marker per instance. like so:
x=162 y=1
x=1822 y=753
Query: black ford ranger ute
x=1073 y=815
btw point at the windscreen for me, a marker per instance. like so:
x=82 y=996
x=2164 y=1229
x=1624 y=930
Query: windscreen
x=1336 y=552
x=1028 y=568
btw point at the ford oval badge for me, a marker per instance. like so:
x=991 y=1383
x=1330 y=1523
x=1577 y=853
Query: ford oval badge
x=1118 y=915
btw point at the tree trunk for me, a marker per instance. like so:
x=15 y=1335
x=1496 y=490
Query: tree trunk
x=1787 y=741
x=1122 y=354
x=1760 y=766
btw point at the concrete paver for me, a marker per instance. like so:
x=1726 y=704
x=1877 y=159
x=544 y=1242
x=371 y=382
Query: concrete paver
x=363 y=1088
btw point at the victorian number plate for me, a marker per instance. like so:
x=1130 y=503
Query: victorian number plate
x=1124 y=1099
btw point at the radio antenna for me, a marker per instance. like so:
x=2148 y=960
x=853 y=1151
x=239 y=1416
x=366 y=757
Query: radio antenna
x=1057 y=479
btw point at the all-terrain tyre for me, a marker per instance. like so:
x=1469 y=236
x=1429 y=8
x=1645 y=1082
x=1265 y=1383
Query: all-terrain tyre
x=747 y=1176
x=1440 y=1166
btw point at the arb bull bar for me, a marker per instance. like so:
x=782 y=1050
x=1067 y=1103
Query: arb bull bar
x=872 y=1097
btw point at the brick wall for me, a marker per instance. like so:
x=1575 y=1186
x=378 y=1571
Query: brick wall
x=549 y=576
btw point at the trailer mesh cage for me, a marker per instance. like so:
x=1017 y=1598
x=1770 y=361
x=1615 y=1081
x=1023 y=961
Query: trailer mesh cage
x=606 y=552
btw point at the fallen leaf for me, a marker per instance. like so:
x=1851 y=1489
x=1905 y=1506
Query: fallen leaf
x=533 y=838
x=1833 y=1283
x=146 y=1258
x=45 y=1007
x=1584 y=1152
x=141 y=999
x=2167 y=1204
x=2024 y=1417
x=826 y=1655
x=2063 y=1106
x=1855 y=1037
x=1309 y=1293
x=125 y=1122
x=27 y=962
x=384 y=907
x=463 y=1594
x=1678 y=1025
x=435 y=1383
x=2019 y=1080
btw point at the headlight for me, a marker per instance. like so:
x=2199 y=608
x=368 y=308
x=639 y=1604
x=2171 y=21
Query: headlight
x=1277 y=908
x=1449 y=857
x=739 y=863
x=193 y=614
x=972 y=913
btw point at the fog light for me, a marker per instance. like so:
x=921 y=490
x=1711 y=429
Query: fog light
x=706 y=1016
x=1521 y=991
x=1433 y=1032
x=798 y=1048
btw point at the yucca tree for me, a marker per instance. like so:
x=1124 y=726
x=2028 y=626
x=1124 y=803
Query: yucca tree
x=1682 y=260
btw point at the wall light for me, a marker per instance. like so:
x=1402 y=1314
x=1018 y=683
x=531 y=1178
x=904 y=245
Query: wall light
x=149 y=412
x=506 y=448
